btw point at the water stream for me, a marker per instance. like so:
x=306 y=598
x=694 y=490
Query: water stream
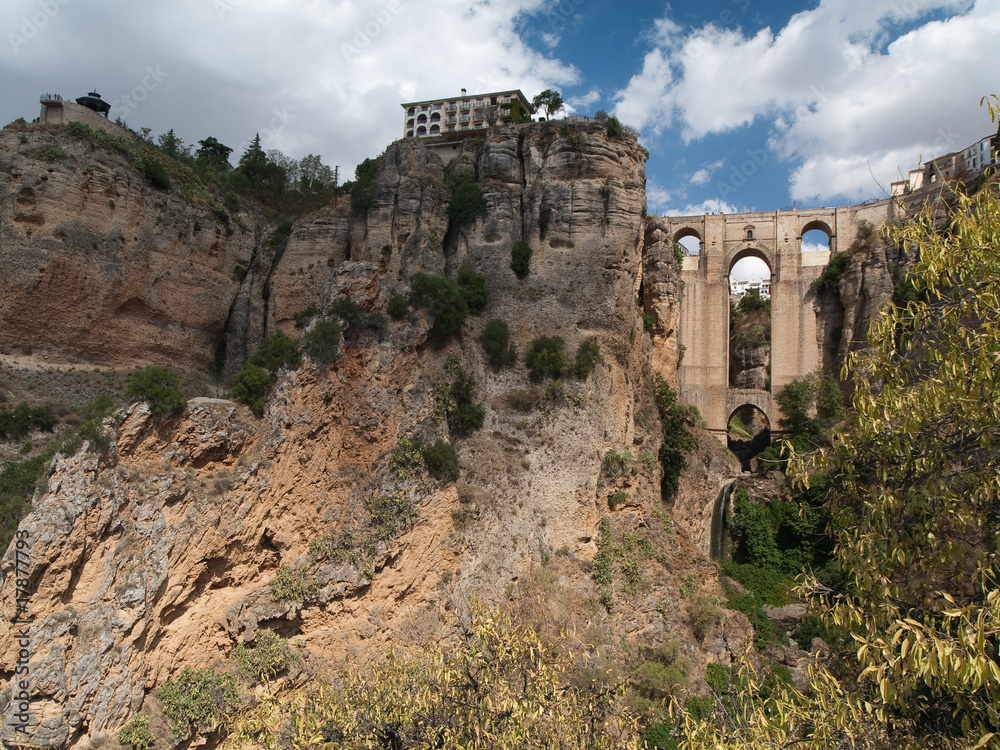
x=719 y=521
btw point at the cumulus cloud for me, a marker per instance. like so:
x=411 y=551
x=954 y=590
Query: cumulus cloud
x=848 y=95
x=324 y=78
x=575 y=103
x=658 y=198
x=710 y=206
x=704 y=175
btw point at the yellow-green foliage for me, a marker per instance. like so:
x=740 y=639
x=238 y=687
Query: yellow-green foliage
x=136 y=735
x=198 y=701
x=491 y=684
x=268 y=656
x=914 y=487
x=291 y=585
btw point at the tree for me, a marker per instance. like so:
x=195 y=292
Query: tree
x=550 y=101
x=157 y=386
x=173 y=146
x=213 y=155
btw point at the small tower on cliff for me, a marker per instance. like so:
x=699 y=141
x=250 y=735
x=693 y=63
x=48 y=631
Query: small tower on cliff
x=94 y=102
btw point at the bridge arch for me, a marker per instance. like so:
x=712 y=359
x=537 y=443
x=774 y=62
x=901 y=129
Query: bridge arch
x=690 y=239
x=750 y=252
x=748 y=432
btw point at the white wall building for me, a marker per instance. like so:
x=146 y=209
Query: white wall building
x=464 y=114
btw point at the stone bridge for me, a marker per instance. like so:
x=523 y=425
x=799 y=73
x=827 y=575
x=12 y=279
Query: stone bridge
x=775 y=238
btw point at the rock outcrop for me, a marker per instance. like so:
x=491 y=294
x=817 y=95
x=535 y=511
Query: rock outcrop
x=100 y=268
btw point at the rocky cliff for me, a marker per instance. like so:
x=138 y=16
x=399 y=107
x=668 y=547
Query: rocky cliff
x=101 y=269
x=177 y=543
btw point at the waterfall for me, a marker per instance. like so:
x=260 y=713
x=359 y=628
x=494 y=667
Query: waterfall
x=719 y=521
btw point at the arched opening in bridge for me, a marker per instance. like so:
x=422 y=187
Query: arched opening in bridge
x=749 y=432
x=750 y=322
x=690 y=240
x=816 y=237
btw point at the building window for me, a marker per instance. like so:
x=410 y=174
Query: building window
x=422 y=119
x=410 y=111
x=421 y=130
x=436 y=117
x=465 y=127
x=466 y=118
x=480 y=103
x=409 y=123
x=451 y=118
x=749 y=234
x=451 y=128
x=409 y=133
x=435 y=129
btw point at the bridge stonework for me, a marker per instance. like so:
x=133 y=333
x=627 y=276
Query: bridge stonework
x=775 y=237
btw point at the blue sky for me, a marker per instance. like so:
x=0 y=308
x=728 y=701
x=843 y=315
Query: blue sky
x=742 y=104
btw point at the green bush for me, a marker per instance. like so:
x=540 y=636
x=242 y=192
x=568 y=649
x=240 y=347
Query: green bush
x=302 y=317
x=545 y=357
x=406 y=461
x=616 y=463
x=157 y=386
x=398 y=307
x=322 y=341
x=136 y=735
x=474 y=289
x=198 y=701
x=390 y=515
x=520 y=259
x=829 y=280
x=363 y=187
x=275 y=352
x=444 y=300
x=17 y=422
x=496 y=341
x=677 y=438
x=290 y=585
x=617 y=498
x=269 y=656
x=251 y=386
x=156 y=175
x=18 y=482
x=441 y=460
x=453 y=401
x=54 y=153
x=467 y=200
x=614 y=127
x=588 y=354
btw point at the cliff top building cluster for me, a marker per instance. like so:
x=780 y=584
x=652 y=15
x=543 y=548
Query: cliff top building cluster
x=460 y=116
x=963 y=164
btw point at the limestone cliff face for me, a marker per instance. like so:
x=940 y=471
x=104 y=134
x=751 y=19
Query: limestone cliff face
x=163 y=552
x=100 y=268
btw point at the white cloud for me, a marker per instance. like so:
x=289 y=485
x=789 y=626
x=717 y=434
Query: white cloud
x=583 y=101
x=841 y=93
x=704 y=175
x=710 y=206
x=700 y=177
x=324 y=78
x=552 y=40
x=657 y=197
